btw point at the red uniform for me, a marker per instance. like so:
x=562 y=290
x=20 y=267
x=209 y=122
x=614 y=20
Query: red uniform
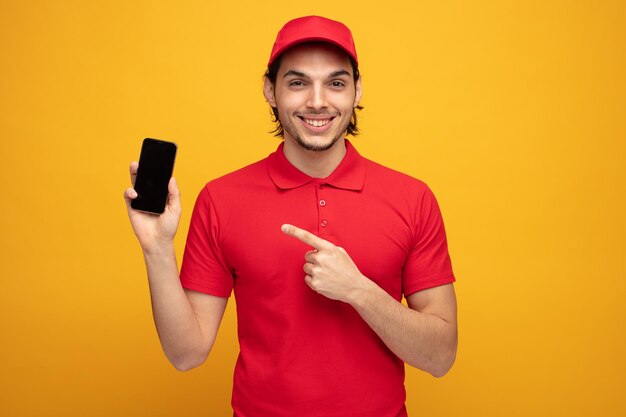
x=301 y=353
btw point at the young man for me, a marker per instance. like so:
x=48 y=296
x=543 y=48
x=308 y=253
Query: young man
x=318 y=244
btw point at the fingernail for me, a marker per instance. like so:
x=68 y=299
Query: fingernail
x=284 y=228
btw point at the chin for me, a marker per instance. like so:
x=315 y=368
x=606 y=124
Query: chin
x=316 y=146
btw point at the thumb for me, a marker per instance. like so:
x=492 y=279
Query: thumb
x=173 y=201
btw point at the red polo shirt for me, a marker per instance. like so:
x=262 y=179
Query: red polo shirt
x=302 y=354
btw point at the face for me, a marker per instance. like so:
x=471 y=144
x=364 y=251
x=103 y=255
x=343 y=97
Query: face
x=315 y=94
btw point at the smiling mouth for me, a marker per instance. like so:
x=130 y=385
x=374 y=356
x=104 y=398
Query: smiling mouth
x=316 y=122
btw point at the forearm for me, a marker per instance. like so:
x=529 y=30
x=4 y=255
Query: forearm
x=424 y=336
x=178 y=328
x=422 y=340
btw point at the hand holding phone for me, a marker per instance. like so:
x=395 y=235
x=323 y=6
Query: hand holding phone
x=155 y=232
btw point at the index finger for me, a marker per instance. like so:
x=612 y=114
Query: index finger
x=305 y=236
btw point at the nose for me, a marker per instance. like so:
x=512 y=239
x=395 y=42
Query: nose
x=317 y=97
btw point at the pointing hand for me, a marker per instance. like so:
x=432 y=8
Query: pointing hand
x=329 y=269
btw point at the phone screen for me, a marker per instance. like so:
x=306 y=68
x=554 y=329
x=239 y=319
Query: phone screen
x=156 y=164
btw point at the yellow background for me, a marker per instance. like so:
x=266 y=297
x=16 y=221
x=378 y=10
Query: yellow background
x=512 y=111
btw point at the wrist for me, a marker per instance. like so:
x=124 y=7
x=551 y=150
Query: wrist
x=364 y=294
x=162 y=250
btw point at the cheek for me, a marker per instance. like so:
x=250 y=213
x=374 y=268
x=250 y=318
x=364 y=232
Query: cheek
x=346 y=102
x=285 y=102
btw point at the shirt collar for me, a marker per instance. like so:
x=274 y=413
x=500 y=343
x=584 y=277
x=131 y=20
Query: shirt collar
x=349 y=174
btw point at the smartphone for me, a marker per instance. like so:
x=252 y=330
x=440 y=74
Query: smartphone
x=156 y=164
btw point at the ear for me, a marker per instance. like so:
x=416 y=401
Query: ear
x=268 y=92
x=358 y=92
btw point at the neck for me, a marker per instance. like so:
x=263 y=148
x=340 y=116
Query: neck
x=316 y=164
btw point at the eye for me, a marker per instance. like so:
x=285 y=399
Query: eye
x=337 y=84
x=296 y=83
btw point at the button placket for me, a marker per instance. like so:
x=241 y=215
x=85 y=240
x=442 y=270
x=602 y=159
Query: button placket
x=322 y=210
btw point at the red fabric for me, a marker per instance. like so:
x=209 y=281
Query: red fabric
x=302 y=354
x=310 y=29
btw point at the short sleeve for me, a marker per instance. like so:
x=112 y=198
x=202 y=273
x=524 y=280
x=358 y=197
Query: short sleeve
x=428 y=263
x=204 y=267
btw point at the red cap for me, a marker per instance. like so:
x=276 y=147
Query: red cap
x=310 y=29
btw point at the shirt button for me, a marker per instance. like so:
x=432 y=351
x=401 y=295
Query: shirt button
x=322 y=203
x=324 y=223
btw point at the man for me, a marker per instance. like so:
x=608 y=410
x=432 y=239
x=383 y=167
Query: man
x=319 y=244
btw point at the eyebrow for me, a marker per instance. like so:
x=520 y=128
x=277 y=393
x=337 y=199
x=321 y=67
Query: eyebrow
x=301 y=74
x=340 y=73
x=294 y=73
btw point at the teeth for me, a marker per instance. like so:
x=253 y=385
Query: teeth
x=317 y=123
